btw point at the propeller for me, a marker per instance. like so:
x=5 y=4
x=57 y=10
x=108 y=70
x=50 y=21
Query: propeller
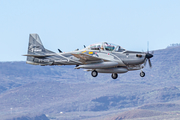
x=148 y=56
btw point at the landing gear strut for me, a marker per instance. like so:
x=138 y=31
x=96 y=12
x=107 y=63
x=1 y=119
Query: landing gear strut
x=142 y=74
x=94 y=73
x=114 y=75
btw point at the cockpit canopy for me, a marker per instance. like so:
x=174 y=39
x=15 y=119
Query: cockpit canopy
x=105 y=47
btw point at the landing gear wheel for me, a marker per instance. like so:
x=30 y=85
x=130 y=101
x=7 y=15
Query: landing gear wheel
x=94 y=73
x=114 y=75
x=142 y=74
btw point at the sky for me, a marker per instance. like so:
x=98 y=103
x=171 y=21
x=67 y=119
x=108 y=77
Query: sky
x=70 y=24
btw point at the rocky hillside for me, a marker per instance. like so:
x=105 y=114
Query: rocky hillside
x=61 y=92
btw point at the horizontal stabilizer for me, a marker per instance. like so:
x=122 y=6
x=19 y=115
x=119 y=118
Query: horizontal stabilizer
x=37 y=56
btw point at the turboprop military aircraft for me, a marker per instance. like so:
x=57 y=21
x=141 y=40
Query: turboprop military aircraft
x=98 y=58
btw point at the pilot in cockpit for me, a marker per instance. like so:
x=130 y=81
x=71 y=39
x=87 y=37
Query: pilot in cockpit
x=98 y=47
x=102 y=48
x=109 y=47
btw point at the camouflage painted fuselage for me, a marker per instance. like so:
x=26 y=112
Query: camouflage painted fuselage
x=104 y=58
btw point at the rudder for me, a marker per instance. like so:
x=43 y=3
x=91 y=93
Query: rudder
x=35 y=45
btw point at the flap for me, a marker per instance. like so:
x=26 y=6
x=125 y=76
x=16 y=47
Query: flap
x=87 y=58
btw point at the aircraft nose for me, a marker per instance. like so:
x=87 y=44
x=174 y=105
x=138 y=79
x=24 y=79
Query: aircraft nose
x=148 y=55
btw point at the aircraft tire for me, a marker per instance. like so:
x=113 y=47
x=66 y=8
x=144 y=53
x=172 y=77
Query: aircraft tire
x=94 y=73
x=114 y=75
x=142 y=74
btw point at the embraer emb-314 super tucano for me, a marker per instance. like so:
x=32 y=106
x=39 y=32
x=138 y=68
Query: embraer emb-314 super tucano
x=97 y=58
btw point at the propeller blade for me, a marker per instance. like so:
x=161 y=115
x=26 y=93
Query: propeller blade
x=148 y=56
x=145 y=62
x=148 y=47
x=152 y=52
x=150 y=65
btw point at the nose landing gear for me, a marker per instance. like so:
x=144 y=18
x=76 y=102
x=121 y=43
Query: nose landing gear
x=142 y=74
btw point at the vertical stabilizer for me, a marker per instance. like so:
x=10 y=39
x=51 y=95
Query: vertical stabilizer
x=37 y=54
x=35 y=45
x=35 y=48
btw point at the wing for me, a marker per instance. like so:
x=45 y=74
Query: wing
x=93 y=62
x=87 y=59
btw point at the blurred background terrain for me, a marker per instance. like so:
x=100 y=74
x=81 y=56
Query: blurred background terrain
x=65 y=93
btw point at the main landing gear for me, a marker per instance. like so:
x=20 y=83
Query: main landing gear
x=114 y=75
x=142 y=74
x=94 y=73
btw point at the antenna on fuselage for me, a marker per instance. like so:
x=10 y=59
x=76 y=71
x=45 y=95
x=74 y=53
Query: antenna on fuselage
x=59 y=51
